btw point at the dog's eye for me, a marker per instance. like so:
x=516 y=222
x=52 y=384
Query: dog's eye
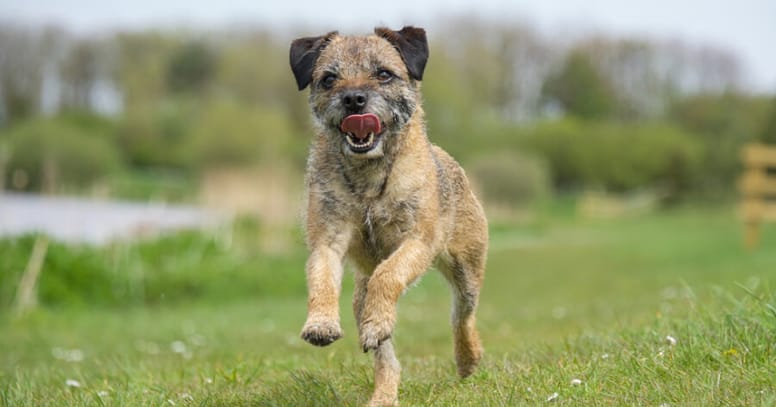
x=328 y=80
x=384 y=75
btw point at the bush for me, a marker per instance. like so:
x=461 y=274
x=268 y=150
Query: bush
x=618 y=157
x=510 y=179
x=229 y=133
x=157 y=135
x=63 y=151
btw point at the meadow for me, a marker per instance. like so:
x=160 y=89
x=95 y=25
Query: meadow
x=662 y=309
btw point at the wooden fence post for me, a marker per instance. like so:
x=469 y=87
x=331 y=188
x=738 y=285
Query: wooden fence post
x=758 y=191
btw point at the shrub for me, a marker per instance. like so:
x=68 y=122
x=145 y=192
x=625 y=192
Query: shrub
x=63 y=151
x=618 y=157
x=229 y=133
x=510 y=179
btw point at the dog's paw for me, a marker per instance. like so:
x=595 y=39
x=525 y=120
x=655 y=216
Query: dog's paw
x=321 y=332
x=383 y=402
x=374 y=331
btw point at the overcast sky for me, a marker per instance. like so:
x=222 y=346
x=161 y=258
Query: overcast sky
x=746 y=27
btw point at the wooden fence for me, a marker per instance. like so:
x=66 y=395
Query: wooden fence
x=758 y=190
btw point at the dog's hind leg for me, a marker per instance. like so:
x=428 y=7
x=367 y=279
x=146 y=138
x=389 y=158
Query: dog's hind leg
x=465 y=274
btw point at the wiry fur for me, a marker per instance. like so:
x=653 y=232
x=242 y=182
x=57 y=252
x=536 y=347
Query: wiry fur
x=394 y=211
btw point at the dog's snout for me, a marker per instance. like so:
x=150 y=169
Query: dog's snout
x=354 y=100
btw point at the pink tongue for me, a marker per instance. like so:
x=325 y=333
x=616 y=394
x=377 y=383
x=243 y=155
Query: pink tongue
x=360 y=125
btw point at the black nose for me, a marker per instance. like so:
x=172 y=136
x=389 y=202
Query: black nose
x=354 y=100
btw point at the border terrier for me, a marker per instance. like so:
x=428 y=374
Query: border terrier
x=382 y=196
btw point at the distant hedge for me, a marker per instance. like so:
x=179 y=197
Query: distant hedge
x=617 y=156
x=66 y=150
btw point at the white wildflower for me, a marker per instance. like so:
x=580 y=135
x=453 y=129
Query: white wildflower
x=671 y=340
x=669 y=293
x=186 y=396
x=553 y=396
x=605 y=356
x=74 y=355
x=178 y=347
x=72 y=383
x=197 y=340
x=68 y=355
x=209 y=380
x=102 y=393
x=576 y=382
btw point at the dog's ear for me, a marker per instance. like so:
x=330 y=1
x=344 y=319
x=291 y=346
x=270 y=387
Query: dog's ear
x=412 y=45
x=304 y=53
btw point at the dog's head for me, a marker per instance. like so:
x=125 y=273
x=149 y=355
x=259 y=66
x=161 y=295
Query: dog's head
x=363 y=90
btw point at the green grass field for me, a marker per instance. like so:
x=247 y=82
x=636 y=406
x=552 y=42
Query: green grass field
x=573 y=313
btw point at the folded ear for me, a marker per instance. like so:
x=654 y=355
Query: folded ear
x=304 y=53
x=412 y=45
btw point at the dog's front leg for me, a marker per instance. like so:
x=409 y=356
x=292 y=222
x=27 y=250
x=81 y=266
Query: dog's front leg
x=324 y=280
x=388 y=282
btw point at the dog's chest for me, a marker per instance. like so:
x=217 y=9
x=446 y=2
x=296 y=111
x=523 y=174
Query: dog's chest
x=384 y=224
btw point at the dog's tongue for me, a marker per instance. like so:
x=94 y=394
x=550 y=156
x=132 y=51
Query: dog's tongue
x=360 y=125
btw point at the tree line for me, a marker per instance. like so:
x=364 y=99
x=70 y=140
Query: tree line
x=569 y=113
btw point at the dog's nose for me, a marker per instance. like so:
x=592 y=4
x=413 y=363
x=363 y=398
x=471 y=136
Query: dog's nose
x=354 y=100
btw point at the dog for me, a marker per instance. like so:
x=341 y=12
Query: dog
x=381 y=196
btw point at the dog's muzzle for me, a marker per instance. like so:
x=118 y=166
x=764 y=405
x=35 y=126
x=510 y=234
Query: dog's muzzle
x=361 y=131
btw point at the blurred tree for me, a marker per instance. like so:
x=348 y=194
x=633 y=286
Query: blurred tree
x=142 y=63
x=579 y=88
x=499 y=65
x=722 y=123
x=24 y=53
x=78 y=74
x=245 y=75
x=191 y=68
x=768 y=134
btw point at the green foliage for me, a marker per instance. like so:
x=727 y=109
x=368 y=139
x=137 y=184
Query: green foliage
x=168 y=270
x=768 y=134
x=191 y=68
x=722 y=124
x=617 y=156
x=580 y=89
x=158 y=135
x=73 y=150
x=510 y=179
x=228 y=133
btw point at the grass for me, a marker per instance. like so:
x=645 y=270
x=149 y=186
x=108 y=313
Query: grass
x=594 y=301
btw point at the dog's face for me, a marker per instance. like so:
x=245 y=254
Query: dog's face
x=363 y=90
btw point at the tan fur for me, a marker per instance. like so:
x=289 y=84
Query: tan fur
x=392 y=213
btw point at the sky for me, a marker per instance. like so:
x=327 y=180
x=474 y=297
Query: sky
x=745 y=27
